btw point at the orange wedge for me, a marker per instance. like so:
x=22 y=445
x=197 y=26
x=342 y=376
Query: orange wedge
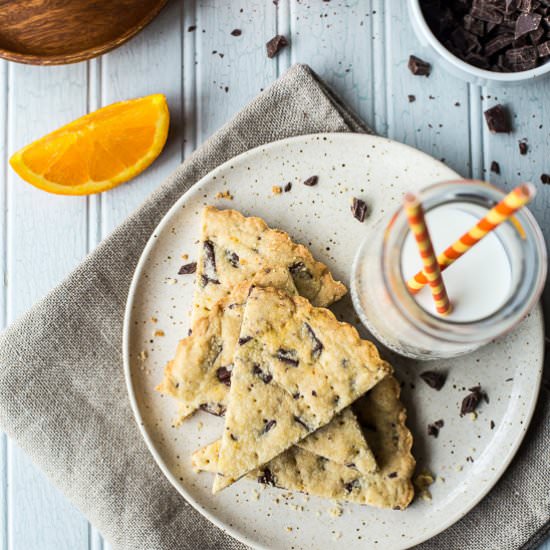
x=98 y=151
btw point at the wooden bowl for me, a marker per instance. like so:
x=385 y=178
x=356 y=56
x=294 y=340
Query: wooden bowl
x=54 y=32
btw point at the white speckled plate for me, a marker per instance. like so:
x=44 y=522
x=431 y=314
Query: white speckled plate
x=468 y=457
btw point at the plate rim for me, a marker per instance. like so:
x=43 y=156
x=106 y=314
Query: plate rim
x=195 y=188
x=88 y=53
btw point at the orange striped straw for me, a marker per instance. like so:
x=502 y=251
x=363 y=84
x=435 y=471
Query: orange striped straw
x=417 y=223
x=503 y=211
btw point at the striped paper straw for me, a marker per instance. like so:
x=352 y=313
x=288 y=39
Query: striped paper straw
x=503 y=211
x=417 y=223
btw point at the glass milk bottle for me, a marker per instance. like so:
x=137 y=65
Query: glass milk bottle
x=492 y=287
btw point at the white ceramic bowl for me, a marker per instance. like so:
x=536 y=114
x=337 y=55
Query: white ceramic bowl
x=462 y=69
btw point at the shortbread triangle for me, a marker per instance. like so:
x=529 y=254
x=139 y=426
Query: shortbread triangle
x=233 y=248
x=298 y=470
x=200 y=374
x=295 y=368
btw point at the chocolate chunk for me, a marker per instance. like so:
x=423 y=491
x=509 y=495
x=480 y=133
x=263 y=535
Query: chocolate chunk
x=210 y=274
x=471 y=401
x=232 y=258
x=486 y=11
x=299 y=270
x=492 y=425
x=187 y=269
x=265 y=377
x=545 y=178
x=544 y=49
x=392 y=475
x=412 y=98
x=526 y=23
x=495 y=167
x=351 y=485
x=217 y=409
x=267 y=477
x=289 y=357
x=244 y=339
x=523 y=147
x=317 y=347
x=233 y=437
x=435 y=380
x=311 y=181
x=359 y=209
x=275 y=45
x=419 y=67
x=224 y=375
x=191 y=28
x=236 y=32
x=287 y=187
x=433 y=430
x=497 y=119
x=498 y=43
x=521 y=59
x=482 y=393
x=301 y=422
x=268 y=425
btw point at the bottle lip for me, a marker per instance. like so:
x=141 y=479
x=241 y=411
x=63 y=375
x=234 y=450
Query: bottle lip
x=510 y=313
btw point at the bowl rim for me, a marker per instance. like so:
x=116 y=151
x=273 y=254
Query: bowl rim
x=434 y=42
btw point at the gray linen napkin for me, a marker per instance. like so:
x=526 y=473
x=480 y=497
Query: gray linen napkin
x=62 y=393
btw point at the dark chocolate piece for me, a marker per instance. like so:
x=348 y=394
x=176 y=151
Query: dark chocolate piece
x=495 y=167
x=471 y=401
x=265 y=377
x=300 y=270
x=412 y=98
x=217 y=409
x=419 y=67
x=288 y=357
x=497 y=119
x=351 y=485
x=521 y=59
x=275 y=45
x=268 y=425
x=311 y=181
x=232 y=258
x=236 y=32
x=210 y=274
x=224 y=375
x=244 y=339
x=435 y=380
x=359 y=209
x=523 y=147
x=545 y=178
x=187 y=269
x=392 y=475
x=526 y=23
x=267 y=477
x=301 y=422
x=287 y=187
x=317 y=346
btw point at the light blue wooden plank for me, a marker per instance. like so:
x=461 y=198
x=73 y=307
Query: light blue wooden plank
x=437 y=122
x=149 y=63
x=94 y=229
x=46 y=238
x=3 y=169
x=531 y=120
x=337 y=40
x=244 y=68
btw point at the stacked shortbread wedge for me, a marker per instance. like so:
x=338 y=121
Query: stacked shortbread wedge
x=265 y=353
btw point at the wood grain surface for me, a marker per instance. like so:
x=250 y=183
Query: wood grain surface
x=360 y=47
x=48 y=32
